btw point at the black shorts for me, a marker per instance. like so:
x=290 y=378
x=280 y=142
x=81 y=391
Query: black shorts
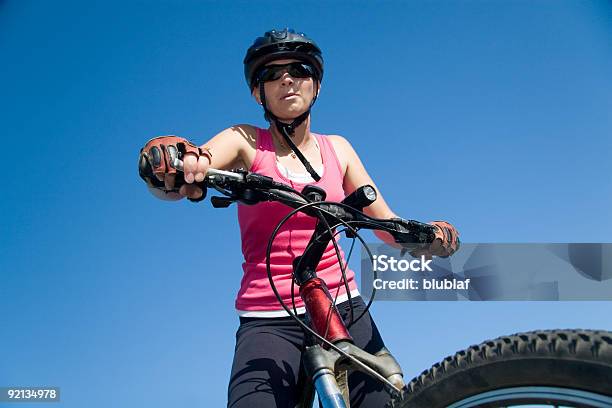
x=267 y=362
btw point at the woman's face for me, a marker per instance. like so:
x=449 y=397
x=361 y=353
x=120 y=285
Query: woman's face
x=287 y=97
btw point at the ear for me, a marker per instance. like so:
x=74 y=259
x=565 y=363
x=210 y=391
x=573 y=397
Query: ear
x=255 y=94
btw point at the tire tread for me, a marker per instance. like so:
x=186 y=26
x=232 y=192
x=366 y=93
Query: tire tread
x=573 y=345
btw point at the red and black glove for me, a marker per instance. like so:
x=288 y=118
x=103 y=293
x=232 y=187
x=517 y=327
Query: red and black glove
x=447 y=239
x=157 y=160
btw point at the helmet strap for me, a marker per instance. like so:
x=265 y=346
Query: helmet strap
x=288 y=129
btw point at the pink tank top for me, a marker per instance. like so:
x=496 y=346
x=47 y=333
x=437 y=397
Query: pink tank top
x=258 y=221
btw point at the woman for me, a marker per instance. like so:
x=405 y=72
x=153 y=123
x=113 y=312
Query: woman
x=284 y=70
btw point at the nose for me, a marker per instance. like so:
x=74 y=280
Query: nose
x=287 y=79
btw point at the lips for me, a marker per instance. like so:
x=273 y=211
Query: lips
x=289 y=95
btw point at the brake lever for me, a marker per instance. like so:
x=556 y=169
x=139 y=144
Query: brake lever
x=221 y=202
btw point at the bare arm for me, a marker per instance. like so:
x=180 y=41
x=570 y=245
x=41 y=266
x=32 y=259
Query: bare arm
x=356 y=176
x=447 y=237
x=232 y=147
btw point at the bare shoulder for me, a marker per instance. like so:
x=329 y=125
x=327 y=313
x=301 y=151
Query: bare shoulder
x=242 y=134
x=233 y=147
x=344 y=150
x=247 y=132
x=338 y=141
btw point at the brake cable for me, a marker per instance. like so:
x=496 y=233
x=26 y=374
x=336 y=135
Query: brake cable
x=371 y=300
x=336 y=248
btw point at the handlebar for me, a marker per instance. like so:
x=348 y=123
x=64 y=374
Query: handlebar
x=252 y=188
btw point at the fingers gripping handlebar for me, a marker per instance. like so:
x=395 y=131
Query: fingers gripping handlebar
x=157 y=164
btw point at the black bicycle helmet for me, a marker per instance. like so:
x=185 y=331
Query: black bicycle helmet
x=281 y=44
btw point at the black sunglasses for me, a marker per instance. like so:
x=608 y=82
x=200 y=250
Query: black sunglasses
x=295 y=69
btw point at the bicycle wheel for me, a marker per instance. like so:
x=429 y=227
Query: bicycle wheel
x=569 y=368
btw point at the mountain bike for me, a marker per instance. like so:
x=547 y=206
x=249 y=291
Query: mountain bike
x=569 y=368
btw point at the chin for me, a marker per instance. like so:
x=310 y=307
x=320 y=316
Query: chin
x=290 y=114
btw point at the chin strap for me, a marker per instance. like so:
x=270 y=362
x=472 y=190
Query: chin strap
x=287 y=129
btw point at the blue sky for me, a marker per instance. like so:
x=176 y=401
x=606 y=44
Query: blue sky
x=493 y=115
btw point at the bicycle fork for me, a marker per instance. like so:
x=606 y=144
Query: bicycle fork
x=327 y=388
x=322 y=365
